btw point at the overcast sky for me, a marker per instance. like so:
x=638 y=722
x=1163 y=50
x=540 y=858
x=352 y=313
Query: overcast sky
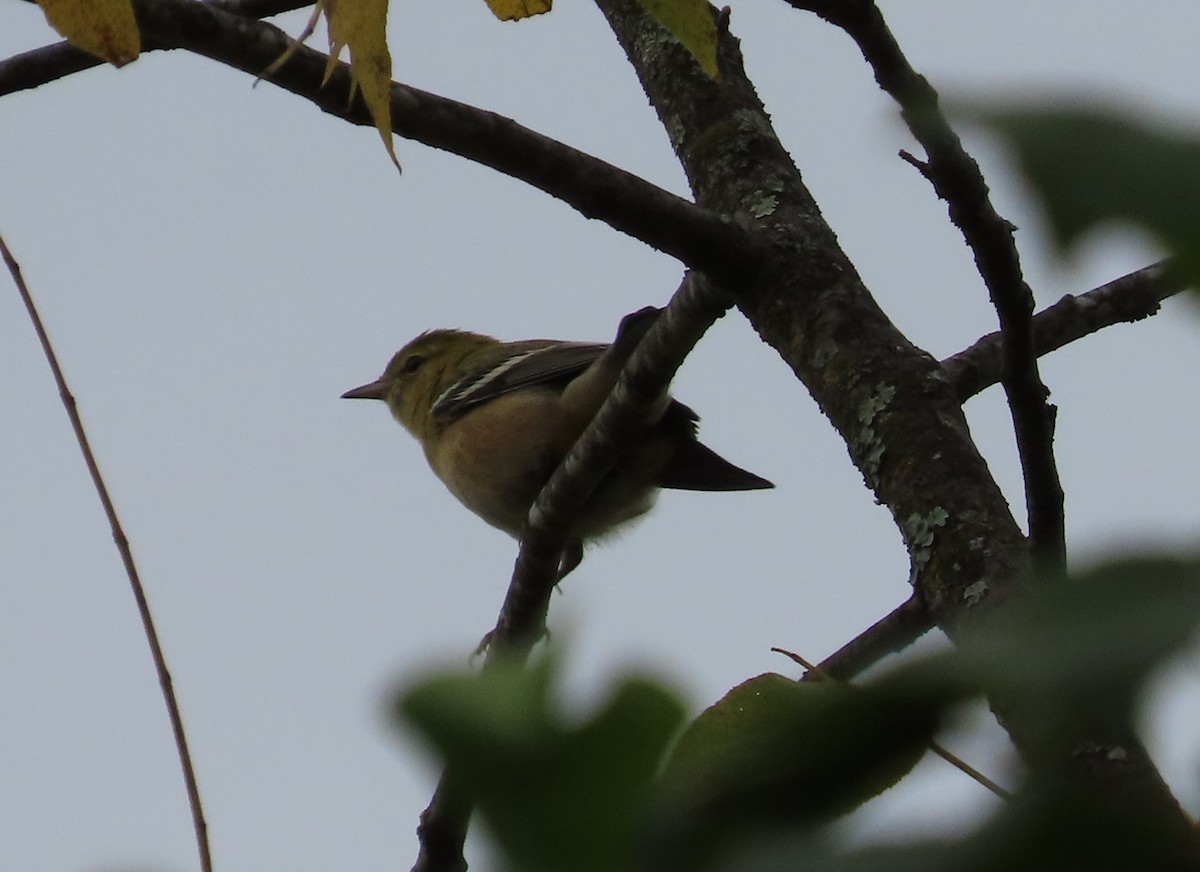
x=216 y=264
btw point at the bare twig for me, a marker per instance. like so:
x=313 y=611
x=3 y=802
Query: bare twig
x=122 y=542
x=1131 y=297
x=957 y=179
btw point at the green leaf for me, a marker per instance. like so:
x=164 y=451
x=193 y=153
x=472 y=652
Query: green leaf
x=555 y=795
x=691 y=22
x=776 y=752
x=1090 y=168
x=1047 y=828
x=1081 y=648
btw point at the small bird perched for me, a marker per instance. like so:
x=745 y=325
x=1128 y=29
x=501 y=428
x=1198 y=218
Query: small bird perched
x=496 y=418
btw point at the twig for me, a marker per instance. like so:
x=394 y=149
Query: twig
x=692 y=310
x=954 y=760
x=1131 y=297
x=957 y=179
x=122 y=542
x=893 y=632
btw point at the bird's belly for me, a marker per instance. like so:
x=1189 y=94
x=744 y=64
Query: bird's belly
x=496 y=458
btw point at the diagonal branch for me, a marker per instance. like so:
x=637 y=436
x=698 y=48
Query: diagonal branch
x=702 y=239
x=522 y=621
x=1131 y=297
x=37 y=67
x=957 y=179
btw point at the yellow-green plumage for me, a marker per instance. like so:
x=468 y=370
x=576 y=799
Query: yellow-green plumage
x=496 y=418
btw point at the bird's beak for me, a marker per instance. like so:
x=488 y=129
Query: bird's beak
x=376 y=390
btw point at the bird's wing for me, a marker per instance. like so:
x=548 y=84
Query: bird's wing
x=539 y=362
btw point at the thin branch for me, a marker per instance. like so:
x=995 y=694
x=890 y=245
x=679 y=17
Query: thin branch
x=726 y=251
x=122 y=542
x=957 y=179
x=893 y=632
x=522 y=621
x=1129 y=298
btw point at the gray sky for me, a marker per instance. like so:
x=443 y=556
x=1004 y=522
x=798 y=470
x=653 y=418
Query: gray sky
x=216 y=264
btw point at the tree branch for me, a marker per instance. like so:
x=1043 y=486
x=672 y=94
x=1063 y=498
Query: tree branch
x=1129 y=298
x=957 y=179
x=893 y=405
x=894 y=632
x=701 y=239
x=34 y=68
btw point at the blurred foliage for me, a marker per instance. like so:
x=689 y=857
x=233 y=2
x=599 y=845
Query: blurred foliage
x=752 y=783
x=1091 y=168
x=556 y=794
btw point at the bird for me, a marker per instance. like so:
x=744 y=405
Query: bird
x=496 y=418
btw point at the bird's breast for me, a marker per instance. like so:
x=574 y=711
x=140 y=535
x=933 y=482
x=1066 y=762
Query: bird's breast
x=496 y=457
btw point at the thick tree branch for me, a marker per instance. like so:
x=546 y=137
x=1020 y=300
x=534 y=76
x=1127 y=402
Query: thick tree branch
x=702 y=239
x=1130 y=298
x=892 y=404
x=890 y=401
x=957 y=179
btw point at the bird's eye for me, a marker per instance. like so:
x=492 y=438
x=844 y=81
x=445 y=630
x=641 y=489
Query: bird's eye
x=413 y=363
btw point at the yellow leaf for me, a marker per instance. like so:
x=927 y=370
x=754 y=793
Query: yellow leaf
x=361 y=25
x=514 y=10
x=105 y=28
x=691 y=22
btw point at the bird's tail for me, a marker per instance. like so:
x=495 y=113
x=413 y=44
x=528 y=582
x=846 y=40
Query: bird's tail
x=695 y=466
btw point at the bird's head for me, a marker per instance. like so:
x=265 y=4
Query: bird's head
x=421 y=371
